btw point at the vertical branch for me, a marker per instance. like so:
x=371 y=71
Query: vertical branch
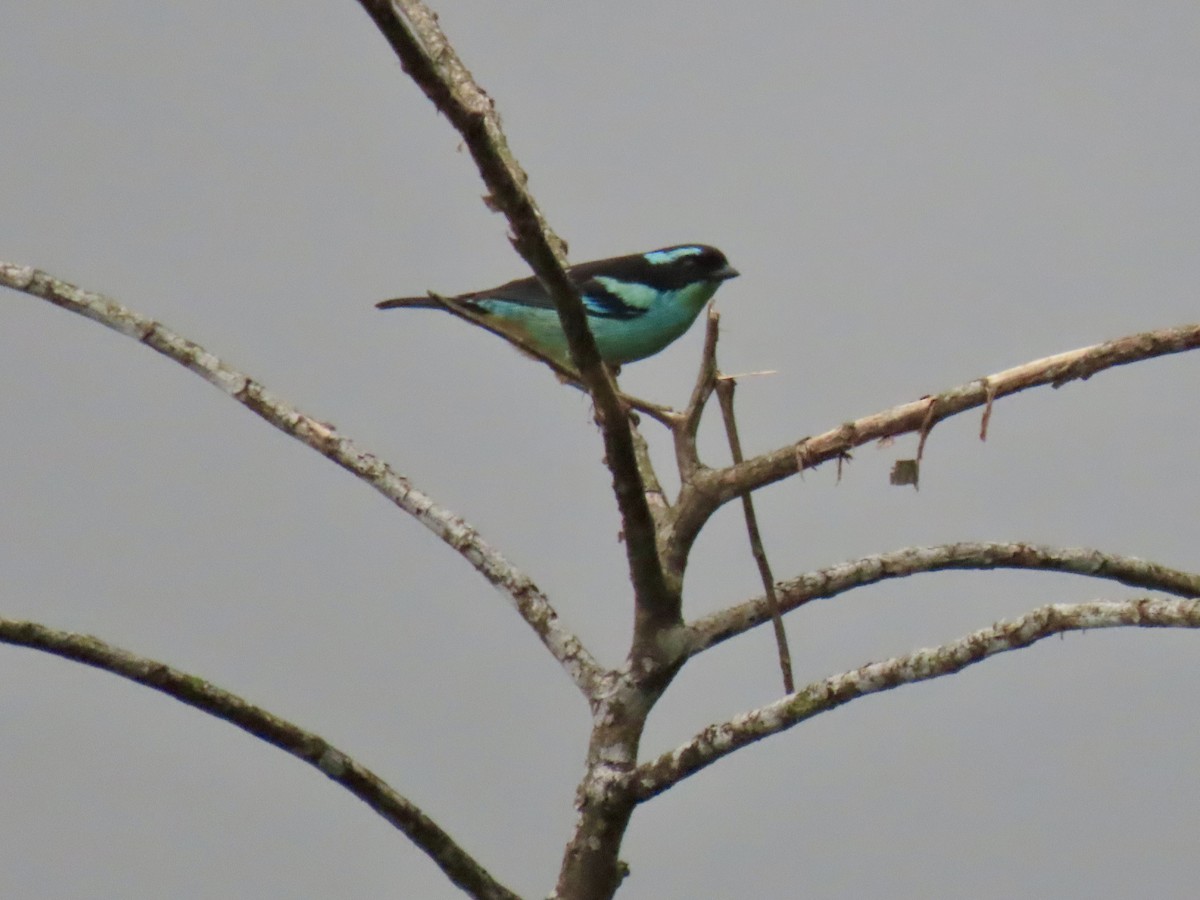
x=725 y=387
x=427 y=56
x=684 y=427
x=687 y=425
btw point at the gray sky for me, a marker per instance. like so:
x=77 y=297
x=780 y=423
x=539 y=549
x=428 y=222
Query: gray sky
x=917 y=194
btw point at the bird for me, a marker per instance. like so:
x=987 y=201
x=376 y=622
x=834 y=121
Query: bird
x=636 y=305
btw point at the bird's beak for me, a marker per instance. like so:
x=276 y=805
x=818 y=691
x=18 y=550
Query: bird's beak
x=725 y=272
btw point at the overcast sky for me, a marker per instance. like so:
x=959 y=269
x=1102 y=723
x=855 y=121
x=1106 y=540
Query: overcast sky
x=917 y=194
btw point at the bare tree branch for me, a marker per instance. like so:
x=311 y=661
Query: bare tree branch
x=427 y=56
x=830 y=582
x=719 y=740
x=725 y=392
x=711 y=488
x=455 y=862
x=687 y=457
x=1057 y=370
x=529 y=601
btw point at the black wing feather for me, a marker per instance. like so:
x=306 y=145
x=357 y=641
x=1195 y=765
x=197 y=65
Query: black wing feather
x=633 y=268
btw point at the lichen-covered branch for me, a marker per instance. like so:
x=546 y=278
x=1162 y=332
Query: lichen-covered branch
x=719 y=740
x=712 y=488
x=455 y=862
x=829 y=582
x=529 y=601
x=1057 y=370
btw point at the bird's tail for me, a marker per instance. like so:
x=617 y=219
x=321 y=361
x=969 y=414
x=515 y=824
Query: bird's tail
x=410 y=302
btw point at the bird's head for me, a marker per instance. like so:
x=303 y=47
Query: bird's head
x=672 y=268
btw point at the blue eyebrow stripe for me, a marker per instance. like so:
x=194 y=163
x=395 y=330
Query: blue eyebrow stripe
x=661 y=257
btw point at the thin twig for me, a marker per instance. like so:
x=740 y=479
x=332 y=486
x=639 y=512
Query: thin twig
x=725 y=391
x=686 y=427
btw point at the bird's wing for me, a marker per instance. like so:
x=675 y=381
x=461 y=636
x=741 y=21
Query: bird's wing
x=603 y=302
x=524 y=291
x=598 y=299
